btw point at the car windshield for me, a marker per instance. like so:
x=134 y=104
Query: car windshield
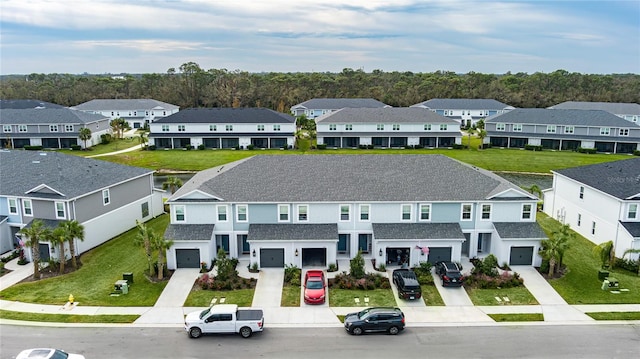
x=205 y=312
x=59 y=354
x=314 y=284
x=362 y=313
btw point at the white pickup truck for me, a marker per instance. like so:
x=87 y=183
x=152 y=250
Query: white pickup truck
x=224 y=318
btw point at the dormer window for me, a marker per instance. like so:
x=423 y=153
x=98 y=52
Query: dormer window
x=332 y=127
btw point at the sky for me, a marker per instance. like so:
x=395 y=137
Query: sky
x=152 y=36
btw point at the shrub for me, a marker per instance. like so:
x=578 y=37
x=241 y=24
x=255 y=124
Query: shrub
x=151 y=148
x=291 y=272
x=357 y=266
x=627 y=264
x=322 y=146
x=201 y=146
x=586 y=150
x=532 y=148
x=332 y=267
x=382 y=267
x=32 y=148
x=487 y=266
x=250 y=147
x=456 y=146
x=76 y=147
x=105 y=138
x=368 y=282
x=636 y=152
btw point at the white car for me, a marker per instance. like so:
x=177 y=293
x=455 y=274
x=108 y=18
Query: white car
x=47 y=353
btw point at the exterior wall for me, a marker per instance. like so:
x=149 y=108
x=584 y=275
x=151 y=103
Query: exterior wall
x=91 y=205
x=502 y=249
x=206 y=249
x=415 y=255
x=289 y=250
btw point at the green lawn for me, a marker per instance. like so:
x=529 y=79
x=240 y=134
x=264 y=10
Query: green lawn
x=67 y=318
x=115 y=145
x=530 y=317
x=517 y=296
x=377 y=298
x=490 y=159
x=93 y=282
x=615 y=315
x=580 y=285
x=202 y=298
x=431 y=296
x=290 y=296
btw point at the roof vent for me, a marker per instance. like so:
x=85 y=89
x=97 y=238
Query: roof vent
x=35 y=161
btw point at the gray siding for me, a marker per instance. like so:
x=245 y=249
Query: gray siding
x=91 y=206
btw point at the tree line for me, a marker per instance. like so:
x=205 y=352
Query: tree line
x=191 y=86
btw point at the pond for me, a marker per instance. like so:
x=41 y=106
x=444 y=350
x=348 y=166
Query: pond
x=526 y=180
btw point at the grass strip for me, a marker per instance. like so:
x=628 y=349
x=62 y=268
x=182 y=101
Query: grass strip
x=524 y=317
x=69 y=318
x=615 y=315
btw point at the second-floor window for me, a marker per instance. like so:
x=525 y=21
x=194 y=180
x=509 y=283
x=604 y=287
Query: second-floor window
x=22 y=128
x=427 y=127
x=332 y=127
x=551 y=129
x=242 y=212
x=395 y=127
x=466 y=212
x=443 y=127
x=53 y=128
x=624 y=132
x=579 y=219
x=180 y=213
x=106 y=197
x=344 y=212
x=213 y=128
x=581 y=195
x=425 y=212
x=380 y=127
x=60 y=213
x=276 y=127
x=222 y=213
x=13 y=205
x=517 y=127
x=500 y=126
x=569 y=130
x=486 y=211
x=632 y=213
x=406 y=212
x=26 y=207
x=604 y=131
x=260 y=127
x=228 y=127
x=283 y=212
x=165 y=128
x=6 y=128
x=303 y=213
x=181 y=128
x=526 y=211
x=364 y=212
x=348 y=127
x=593 y=227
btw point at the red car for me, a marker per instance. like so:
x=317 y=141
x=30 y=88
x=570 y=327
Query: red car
x=314 y=287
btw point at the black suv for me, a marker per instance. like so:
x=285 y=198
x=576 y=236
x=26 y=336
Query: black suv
x=375 y=319
x=450 y=274
x=407 y=284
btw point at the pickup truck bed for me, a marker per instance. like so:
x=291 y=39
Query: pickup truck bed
x=249 y=314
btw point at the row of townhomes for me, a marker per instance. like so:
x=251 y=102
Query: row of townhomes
x=224 y=128
x=560 y=129
x=106 y=198
x=601 y=202
x=313 y=210
x=37 y=123
x=137 y=112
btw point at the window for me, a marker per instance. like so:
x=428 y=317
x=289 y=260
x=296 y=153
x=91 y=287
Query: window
x=13 y=206
x=222 y=213
x=380 y=127
x=364 y=212
x=486 y=211
x=395 y=127
x=406 y=212
x=228 y=127
x=348 y=127
x=26 y=207
x=283 y=212
x=446 y=112
x=165 y=128
x=579 y=219
x=276 y=127
x=443 y=127
x=526 y=211
x=427 y=127
x=22 y=128
x=581 y=192
x=53 y=128
x=303 y=213
x=241 y=212
x=260 y=127
x=500 y=126
x=68 y=128
x=551 y=129
x=569 y=130
x=144 y=208
x=181 y=128
x=517 y=127
x=180 y=215
x=213 y=128
x=632 y=213
x=624 y=132
x=332 y=127
x=6 y=128
x=106 y=198
x=466 y=212
x=593 y=227
x=344 y=212
x=425 y=212
x=60 y=213
x=604 y=131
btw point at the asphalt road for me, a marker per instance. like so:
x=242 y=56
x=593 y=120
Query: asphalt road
x=579 y=341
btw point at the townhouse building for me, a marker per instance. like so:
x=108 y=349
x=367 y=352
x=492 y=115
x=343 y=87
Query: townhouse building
x=224 y=128
x=312 y=210
x=106 y=198
x=628 y=111
x=601 y=202
x=386 y=128
x=137 y=112
x=563 y=130
x=466 y=111
x=322 y=106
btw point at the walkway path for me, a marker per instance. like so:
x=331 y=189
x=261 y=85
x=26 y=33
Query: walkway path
x=169 y=306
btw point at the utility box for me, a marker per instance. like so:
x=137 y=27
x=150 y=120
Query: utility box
x=121 y=286
x=603 y=274
x=610 y=283
x=129 y=277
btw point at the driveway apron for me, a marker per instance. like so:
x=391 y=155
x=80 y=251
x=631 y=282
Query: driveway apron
x=268 y=292
x=452 y=296
x=168 y=308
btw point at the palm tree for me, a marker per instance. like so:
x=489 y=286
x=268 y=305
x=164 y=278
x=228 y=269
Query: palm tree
x=161 y=245
x=482 y=134
x=553 y=248
x=142 y=138
x=535 y=190
x=173 y=183
x=563 y=237
x=549 y=250
x=72 y=230
x=57 y=237
x=144 y=239
x=85 y=135
x=34 y=232
x=629 y=251
x=606 y=254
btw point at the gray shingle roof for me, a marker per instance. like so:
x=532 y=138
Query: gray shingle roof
x=385 y=115
x=337 y=178
x=612 y=107
x=124 y=105
x=26 y=104
x=463 y=104
x=620 y=179
x=47 y=223
x=521 y=230
x=417 y=231
x=269 y=232
x=338 y=103
x=228 y=115
x=545 y=116
x=47 y=116
x=186 y=232
x=633 y=228
x=73 y=176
